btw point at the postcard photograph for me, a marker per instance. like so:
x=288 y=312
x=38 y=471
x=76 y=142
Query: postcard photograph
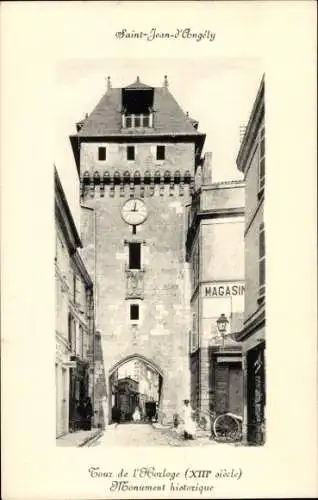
x=158 y=167
x=153 y=345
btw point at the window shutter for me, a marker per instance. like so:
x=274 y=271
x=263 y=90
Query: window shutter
x=194 y=332
x=262 y=160
x=262 y=261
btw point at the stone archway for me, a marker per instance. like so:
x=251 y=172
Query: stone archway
x=116 y=385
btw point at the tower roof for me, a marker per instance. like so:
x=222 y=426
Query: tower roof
x=138 y=85
x=105 y=119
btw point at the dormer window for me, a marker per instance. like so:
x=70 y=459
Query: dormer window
x=137 y=120
x=137 y=105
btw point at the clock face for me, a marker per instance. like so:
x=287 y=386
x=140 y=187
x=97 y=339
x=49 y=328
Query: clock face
x=134 y=212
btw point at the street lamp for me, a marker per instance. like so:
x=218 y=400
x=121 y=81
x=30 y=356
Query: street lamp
x=221 y=323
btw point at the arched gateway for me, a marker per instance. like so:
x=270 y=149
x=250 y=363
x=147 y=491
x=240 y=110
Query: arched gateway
x=135 y=381
x=138 y=357
x=133 y=229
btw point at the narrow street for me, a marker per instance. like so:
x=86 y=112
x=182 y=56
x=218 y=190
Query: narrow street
x=145 y=435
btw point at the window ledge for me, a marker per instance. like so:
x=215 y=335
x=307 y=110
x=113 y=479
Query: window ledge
x=128 y=269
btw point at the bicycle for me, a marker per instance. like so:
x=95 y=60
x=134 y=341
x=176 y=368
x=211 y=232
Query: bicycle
x=227 y=427
x=224 y=427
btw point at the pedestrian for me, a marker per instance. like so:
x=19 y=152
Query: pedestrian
x=189 y=425
x=87 y=414
x=78 y=415
x=116 y=415
x=136 y=415
x=176 y=420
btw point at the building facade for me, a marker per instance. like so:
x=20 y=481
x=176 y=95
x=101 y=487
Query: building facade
x=147 y=378
x=74 y=325
x=136 y=155
x=251 y=161
x=128 y=390
x=215 y=250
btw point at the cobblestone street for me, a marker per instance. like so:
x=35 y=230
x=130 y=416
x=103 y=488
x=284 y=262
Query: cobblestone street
x=146 y=435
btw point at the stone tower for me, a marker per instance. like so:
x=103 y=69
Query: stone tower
x=136 y=155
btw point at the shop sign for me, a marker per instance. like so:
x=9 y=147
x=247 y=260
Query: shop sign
x=223 y=290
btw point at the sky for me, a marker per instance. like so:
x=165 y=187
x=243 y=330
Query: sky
x=218 y=92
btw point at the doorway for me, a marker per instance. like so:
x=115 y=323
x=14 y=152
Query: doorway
x=228 y=388
x=64 y=416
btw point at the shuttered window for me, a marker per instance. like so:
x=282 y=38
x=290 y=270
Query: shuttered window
x=261 y=183
x=262 y=260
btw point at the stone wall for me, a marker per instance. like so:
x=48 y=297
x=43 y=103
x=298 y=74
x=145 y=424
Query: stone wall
x=161 y=334
x=178 y=156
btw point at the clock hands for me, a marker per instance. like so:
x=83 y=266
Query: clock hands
x=134 y=209
x=134 y=212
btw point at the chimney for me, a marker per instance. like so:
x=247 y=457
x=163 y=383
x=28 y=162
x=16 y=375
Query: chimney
x=165 y=82
x=79 y=125
x=138 y=80
x=109 y=83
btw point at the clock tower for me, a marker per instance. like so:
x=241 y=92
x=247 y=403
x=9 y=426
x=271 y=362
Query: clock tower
x=136 y=156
